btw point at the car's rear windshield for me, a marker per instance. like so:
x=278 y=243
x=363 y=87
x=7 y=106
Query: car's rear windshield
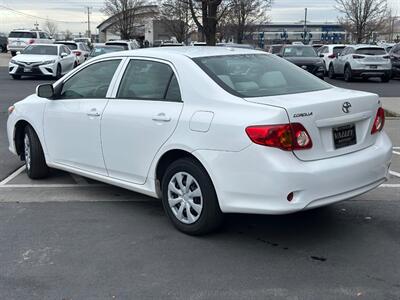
x=41 y=50
x=371 y=51
x=71 y=46
x=299 y=52
x=276 y=49
x=102 y=50
x=259 y=75
x=119 y=44
x=22 y=35
x=338 y=49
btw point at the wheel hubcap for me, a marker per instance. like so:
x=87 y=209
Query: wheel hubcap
x=185 y=198
x=27 y=148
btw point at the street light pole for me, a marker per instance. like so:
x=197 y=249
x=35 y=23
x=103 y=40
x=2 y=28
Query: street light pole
x=305 y=25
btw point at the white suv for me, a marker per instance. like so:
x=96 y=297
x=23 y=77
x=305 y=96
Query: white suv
x=329 y=53
x=19 y=39
x=362 y=61
x=128 y=45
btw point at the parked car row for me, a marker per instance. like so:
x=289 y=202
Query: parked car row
x=347 y=61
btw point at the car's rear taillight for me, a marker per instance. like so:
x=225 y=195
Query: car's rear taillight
x=31 y=42
x=332 y=56
x=386 y=57
x=77 y=53
x=379 y=121
x=357 y=56
x=287 y=137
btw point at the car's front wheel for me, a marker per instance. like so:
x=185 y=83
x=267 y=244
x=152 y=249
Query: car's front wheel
x=189 y=198
x=386 y=77
x=35 y=161
x=58 y=72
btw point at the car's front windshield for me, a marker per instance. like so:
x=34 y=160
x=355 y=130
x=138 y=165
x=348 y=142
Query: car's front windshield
x=299 y=52
x=40 y=50
x=258 y=75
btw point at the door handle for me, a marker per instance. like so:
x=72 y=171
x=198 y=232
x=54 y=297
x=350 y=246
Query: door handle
x=93 y=113
x=161 y=117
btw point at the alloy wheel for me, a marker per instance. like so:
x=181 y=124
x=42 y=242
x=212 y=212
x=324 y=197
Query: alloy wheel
x=185 y=198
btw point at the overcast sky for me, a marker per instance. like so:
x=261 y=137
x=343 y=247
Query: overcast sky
x=70 y=14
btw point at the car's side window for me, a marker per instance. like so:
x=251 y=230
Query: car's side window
x=66 y=50
x=91 y=82
x=149 y=80
x=41 y=35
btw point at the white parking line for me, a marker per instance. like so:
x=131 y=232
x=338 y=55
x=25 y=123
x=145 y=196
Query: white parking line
x=394 y=173
x=395 y=152
x=396 y=148
x=390 y=185
x=50 y=185
x=13 y=175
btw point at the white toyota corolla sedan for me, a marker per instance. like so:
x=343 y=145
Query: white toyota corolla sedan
x=208 y=130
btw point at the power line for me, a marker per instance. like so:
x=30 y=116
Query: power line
x=37 y=17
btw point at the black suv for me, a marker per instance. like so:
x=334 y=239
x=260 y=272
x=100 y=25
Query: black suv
x=3 y=43
x=395 y=58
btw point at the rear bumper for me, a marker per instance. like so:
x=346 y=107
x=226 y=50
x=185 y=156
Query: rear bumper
x=258 y=179
x=371 y=73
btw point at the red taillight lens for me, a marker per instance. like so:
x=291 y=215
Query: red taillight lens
x=287 y=137
x=31 y=42
x=379 y=121
x=77 y=53
x=358 y=56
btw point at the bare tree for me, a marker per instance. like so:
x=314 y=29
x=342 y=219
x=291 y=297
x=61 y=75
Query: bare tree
x=362 y=18
x=125 y=13
x=176 y=17
x=206 y=14
x=68 y=35
x=245 y=15
x=50 y=27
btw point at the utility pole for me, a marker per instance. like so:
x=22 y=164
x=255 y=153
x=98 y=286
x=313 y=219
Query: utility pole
x=88 y=22
x=305 y=26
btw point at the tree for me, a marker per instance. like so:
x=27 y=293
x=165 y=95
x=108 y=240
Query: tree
x=176 y=17
x=50 y=27
x=210 y=12
x=125 y=13
x=68 y=35
x=245 y=15
x=362 y=17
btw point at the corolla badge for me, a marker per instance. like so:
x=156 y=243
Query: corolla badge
x=346 y=107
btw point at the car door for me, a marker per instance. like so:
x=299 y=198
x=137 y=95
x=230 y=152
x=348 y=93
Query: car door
x=72 y=120
x=67 y=61
x=140 y=119
x=340 y=61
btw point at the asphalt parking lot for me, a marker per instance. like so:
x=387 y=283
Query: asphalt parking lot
x=68 y=237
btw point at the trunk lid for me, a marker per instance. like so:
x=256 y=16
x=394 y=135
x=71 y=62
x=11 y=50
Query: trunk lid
x=322 y=113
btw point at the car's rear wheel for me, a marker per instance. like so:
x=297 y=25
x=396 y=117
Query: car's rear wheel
x=331 y=72
x=13 y=53
x=189 y=198
x=16 y=77
x=58 y=72
x=35 y=161
x=348 y=76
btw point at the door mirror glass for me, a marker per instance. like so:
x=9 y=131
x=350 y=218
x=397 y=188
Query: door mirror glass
x=18 y=52
x=45 y=91
x=63 y=54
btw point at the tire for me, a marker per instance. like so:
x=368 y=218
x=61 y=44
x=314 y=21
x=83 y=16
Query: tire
x=386 y=78
x=13 y=53
x=58 y=72
x=207 y=216
x=35 y=163
x=348 y=76
x=331 y=72
x=17 y=77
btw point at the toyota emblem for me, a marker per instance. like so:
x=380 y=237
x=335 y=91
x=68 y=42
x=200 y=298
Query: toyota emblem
x=346 y=107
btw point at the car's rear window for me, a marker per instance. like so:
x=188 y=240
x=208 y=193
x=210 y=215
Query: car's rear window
x=299 y=51
x=371 y=51
x=41 y=50
x=119 y=44
x=22 y=35
x=71 y=46
x=259 y=75
x=337 y=50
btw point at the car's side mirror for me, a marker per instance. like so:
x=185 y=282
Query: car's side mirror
x=63 y=55
x=280 y=55
x=45 y=91
x=18 y=52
